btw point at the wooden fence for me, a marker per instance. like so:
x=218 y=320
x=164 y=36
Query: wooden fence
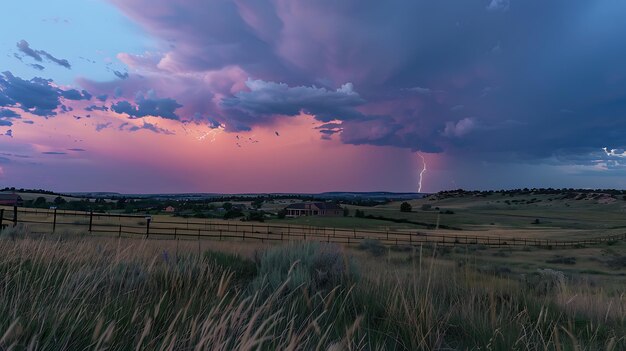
x=45 y=221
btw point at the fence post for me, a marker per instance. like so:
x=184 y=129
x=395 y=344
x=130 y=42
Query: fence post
x=54 y=221
x=119 y=233
x=148 y=219
x=90 y=221
x=14 y=216
x=1 y=217
x=175 y=230
x=220 y=235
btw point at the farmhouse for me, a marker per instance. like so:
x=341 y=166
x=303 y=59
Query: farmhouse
x=11 y=200
x=170 y=209
x=314 y=209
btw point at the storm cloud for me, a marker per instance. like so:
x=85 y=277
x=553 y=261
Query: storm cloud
x=472 y=74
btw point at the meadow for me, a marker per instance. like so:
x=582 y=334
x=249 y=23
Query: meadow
x=73 y=289
x=81 y=292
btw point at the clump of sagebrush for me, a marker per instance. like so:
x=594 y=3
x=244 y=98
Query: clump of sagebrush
x=15 y=232
x=243 y=270
x=310 y=266
x=544 y=281
x=372 y=246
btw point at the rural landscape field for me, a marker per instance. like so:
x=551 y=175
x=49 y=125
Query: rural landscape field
x=525 y=269
x=428 y=175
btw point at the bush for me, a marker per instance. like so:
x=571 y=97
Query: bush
x=406 y=207
x=243 y=270
x=314 y=267
x=617 y=262
x=233 y=213
x=258 y=216
x=20 y=231
x=562 y=260
x=544 y=281
x=373 y=246
x=281 y=214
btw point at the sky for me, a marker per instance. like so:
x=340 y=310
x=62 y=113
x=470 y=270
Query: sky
x=166 y=96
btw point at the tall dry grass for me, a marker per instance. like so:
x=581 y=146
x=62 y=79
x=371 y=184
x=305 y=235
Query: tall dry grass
x=83 y=293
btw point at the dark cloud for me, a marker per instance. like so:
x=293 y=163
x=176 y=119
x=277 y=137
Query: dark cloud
x=6 y=113
x=96 y=108
x=6 y=117
x=37 y=66
x=101 y=126
x=28 y=121
x=102 y=97
x=25 y=48
x=485 y=79
x=148 y=105
x=270 y=98
x=148 y=126
x=121 y=75
x=38 y=96
x=76 y=150
x=54 y=153
x=74 y=94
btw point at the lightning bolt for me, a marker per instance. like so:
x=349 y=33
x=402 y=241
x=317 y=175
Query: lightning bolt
x=419 y=186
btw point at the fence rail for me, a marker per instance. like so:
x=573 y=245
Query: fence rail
x=123 y=225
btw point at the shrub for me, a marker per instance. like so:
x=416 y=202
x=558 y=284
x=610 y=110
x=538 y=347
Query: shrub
x=243 y=269
x=313 y=267
x=406 y=207
x=258 y=216
x=233 y=213
x=502 y=253
x=373 y=246
x=20 y=231
x=562 y=260
x=617 y=262
x=544 y=281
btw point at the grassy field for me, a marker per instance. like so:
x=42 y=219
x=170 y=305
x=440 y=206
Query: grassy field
x=69 y=293
x=532 y=216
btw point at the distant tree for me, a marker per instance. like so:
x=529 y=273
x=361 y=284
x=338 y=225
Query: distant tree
x=256 y=216
x=346 y=212
x=359 y=213
x=233 y=213
x=281 y=214
x=257 y=203
x=121 y=203
x=40 y=202
x=227 y=206
x=406 y=207
x=59 y=201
